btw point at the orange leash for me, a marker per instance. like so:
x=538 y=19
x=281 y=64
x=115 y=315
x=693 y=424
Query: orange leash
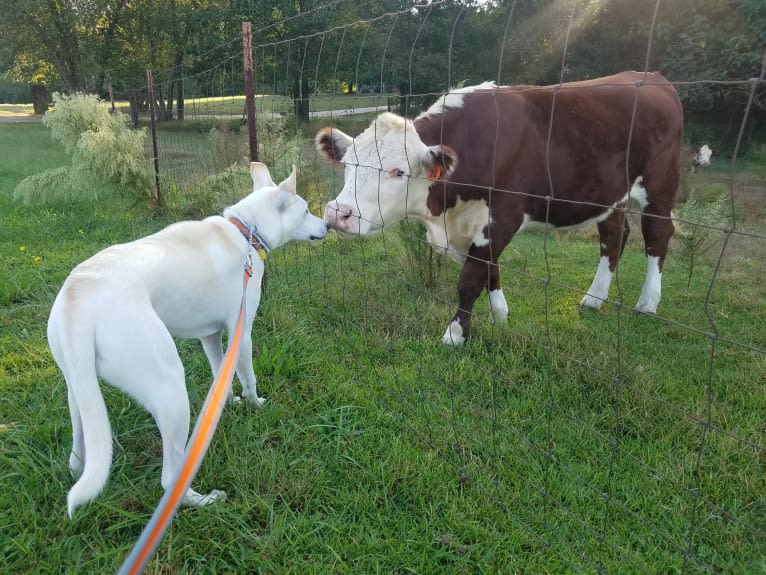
x=195 y=451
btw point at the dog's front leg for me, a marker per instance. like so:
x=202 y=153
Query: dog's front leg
x=213 y=346
x=245 y=371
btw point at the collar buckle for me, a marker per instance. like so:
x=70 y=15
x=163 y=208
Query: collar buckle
x=252 y=237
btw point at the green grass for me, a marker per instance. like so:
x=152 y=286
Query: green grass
x=563 y=442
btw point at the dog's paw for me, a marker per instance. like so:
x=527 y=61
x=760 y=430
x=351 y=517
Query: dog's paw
x=194 y=499
x=255 y=400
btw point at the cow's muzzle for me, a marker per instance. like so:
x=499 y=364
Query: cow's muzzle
x=338 y=216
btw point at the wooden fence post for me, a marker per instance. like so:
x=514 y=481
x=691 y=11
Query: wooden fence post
x=152 y=114
x=249 y=90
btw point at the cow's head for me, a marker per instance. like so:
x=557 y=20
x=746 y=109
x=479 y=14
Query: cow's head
x=388 y=172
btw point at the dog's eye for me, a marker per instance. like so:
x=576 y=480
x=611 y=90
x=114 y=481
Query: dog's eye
x=397 y=173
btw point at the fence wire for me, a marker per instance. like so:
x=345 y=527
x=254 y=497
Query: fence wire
x=566 y=423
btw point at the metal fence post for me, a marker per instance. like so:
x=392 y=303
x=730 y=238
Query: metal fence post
x=249 y=90
x=153 y=122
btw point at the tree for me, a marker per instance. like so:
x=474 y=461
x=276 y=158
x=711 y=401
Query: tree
x=59 y=42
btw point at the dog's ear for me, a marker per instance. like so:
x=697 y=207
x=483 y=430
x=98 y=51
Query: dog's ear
x=285 y=194
x=261 y=176
x=289 y=184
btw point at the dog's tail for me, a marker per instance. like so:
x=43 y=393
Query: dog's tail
x=74 y=347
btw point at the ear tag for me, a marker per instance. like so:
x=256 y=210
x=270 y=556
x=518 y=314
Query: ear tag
x=262 y=254
x=435 y=173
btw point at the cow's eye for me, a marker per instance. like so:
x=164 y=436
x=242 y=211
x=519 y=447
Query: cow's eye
x=397 y=173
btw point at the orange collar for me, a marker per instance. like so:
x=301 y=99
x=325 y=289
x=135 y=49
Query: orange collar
x=252 y=237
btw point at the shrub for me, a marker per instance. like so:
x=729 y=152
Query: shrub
x=229 y=146
x=423 y=260
x=702 y=216
x=214 y=194
x=755 y=161
x=232 y=180
x=107 y=155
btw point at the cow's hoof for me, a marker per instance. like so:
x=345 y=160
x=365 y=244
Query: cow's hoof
x=591 y=302
x=454 y=335
x=645 y=308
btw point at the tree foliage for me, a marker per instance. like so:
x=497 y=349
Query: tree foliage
x=81 y=45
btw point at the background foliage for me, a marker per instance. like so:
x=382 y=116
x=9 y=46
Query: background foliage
x=85 y=46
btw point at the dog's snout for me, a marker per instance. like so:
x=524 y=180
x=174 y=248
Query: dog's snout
x=322 y=234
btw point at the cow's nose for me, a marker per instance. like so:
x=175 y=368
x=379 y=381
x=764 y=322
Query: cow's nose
x=337 y=216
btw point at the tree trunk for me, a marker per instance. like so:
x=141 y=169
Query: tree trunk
x=180 y=92
x=133 y=101
x=168 y=113
x=40 y=98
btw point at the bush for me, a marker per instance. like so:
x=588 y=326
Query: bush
x=230 y=146
x=107 y=155
x=426 y=264
x=703 y=215
x=232 y=182
x=755 y=161
x=215 y=193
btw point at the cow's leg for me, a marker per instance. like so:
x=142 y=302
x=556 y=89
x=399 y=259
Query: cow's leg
x=498 y=307
x=613 y=233
x=473 y=278
x=657 y=228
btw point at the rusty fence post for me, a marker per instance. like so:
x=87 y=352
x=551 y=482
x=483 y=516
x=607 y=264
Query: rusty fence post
x=153 y=122
x=247 y=53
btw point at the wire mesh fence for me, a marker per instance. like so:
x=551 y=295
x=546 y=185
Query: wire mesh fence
x=607 y=442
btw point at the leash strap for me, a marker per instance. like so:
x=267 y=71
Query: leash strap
x=195 y=451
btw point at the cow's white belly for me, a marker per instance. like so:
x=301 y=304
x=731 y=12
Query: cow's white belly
x=637 y=193
x=458 y=228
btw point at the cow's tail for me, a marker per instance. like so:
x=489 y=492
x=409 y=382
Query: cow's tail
x=73 y=344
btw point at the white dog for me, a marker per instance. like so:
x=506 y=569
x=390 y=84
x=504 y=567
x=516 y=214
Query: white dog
x=117 y=313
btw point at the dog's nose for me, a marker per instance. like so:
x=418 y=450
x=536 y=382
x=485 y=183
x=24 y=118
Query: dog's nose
x=322 y=235
x=338 y=215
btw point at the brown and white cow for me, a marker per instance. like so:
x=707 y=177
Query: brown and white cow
x=479 y=166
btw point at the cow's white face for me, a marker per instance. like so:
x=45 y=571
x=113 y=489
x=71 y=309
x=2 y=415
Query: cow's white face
x=388 y=170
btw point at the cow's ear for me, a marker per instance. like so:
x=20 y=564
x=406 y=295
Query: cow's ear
x=332 y=143
x=440 y=162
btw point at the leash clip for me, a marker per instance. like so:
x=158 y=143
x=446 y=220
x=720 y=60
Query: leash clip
x=249 y=263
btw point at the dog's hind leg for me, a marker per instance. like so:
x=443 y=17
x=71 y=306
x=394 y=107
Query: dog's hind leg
x=214 y=352
x=245 y=371
x=144 y=362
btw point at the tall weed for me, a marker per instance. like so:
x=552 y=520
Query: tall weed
x=107 y=155
x=703 y=214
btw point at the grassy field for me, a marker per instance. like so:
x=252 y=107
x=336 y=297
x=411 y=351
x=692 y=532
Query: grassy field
x=564 y=442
